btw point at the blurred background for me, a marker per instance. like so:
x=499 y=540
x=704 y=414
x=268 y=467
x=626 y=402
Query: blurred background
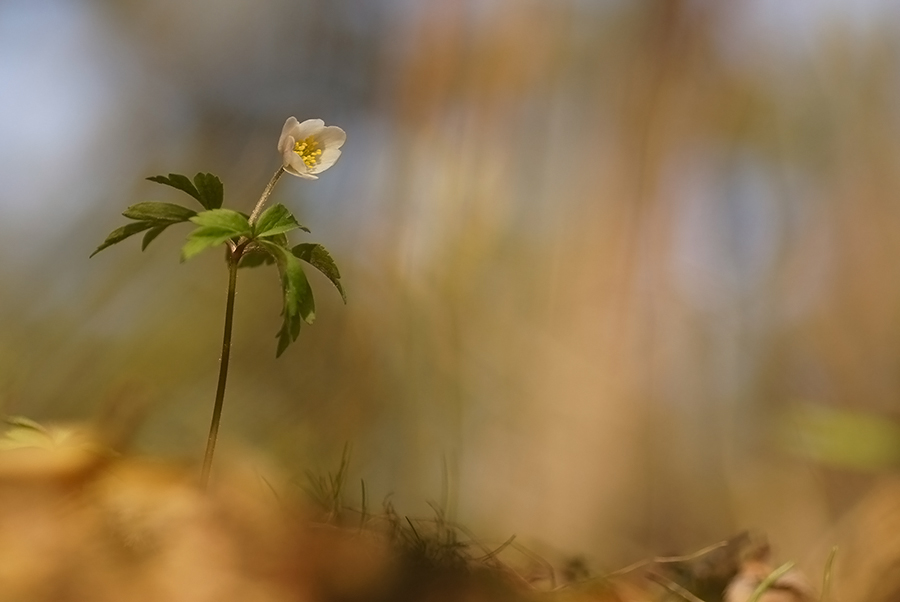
x=622 y=276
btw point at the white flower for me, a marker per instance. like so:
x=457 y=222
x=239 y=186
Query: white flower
x=310 y=147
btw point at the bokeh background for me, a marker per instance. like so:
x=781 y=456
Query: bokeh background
x=622 y=276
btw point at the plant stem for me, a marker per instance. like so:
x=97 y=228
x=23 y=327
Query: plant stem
x=265 y=195
x=233 y=259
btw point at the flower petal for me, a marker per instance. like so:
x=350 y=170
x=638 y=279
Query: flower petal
x=328 y=158
x=288 y=131
x=331 y=137
x=286 y=147
x=294 y=165
x=310 y=127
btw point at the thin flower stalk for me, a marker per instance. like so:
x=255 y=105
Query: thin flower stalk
x=233 y=258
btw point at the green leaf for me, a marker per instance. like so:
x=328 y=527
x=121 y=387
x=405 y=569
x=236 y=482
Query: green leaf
x=318 y=257
x=255 y=258
x=298 y=295
x=224 y=219
x=216 y=227
x=180 y=182
x=203 y=238
x=210 y=190
x=279 y=239
x=160 y=212
x=299 y=303
x=276 y=220
x=290 y=330
x=152 y=233
x=120 y=234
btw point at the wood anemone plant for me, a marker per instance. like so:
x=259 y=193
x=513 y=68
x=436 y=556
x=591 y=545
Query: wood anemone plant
x=307 y=149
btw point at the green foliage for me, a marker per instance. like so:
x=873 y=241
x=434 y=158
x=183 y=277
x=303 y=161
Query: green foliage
x=203 y=238
x=224 y=219
x=299 y=304
x=152 y=234
x=156 y=217
x=217 y=226
x=254 y=257
x=212 y=193
x=276 y=220
x=206 y=188
x=120 y=234
x=263 y=243
x=159 y=212
x=318 y=257
x=162 y=215
x=178 y=181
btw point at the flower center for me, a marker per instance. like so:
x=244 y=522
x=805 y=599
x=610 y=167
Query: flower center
x=308 y=150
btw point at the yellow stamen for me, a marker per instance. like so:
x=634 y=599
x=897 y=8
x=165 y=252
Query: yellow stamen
x=308 y=150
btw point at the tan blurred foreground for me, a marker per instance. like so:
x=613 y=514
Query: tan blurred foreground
x=78 y=523
x=81 y=522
